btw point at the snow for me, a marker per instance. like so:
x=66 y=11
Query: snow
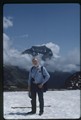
x=63 y=104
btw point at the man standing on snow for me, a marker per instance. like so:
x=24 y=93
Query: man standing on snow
x=35 y=85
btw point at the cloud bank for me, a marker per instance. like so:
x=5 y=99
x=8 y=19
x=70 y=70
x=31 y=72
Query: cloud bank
x=12 y=56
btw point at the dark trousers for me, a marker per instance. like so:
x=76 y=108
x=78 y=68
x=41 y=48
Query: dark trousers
x=35 y=89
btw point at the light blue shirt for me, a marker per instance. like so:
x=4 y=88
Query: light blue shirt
x=37 y=75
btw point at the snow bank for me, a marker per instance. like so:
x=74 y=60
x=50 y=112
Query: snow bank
x=58 y=104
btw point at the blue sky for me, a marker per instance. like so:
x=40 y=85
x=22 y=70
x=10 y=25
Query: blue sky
x=44 y=23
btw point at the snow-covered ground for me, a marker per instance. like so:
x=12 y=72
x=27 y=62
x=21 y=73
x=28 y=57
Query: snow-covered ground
x=58 y=104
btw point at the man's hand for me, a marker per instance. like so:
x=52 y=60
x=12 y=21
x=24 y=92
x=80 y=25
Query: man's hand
x=40 y=86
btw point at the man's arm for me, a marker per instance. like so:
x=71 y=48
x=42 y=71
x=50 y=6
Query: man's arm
x=29 y=80
x=47 y=76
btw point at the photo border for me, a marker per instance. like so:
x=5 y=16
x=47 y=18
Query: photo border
x=1 y=38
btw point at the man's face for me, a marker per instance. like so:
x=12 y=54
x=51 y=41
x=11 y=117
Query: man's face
x=35 y=62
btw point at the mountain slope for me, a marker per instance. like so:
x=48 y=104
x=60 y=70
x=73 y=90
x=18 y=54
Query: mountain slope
x=15 y=76
x=35 y=50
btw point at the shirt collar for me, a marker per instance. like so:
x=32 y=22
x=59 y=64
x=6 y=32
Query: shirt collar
x=38 y=66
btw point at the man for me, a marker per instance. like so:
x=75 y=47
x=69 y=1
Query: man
x=35 y=85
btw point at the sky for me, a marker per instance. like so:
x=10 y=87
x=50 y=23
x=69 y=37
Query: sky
x=55 y=25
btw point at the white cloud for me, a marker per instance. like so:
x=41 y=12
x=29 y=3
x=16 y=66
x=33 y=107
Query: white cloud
x=54 y=48
x=70 y=67
x=61 y=63
x=5 y=41
x=12 y=56
x=70 y=62
x=7 y=22
x=74 y=56
x=22 y=36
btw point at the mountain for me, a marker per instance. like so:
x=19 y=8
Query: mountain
x=74 y=81
x=35 y=50
x=16 y=78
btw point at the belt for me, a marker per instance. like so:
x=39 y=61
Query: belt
x=36 y=83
